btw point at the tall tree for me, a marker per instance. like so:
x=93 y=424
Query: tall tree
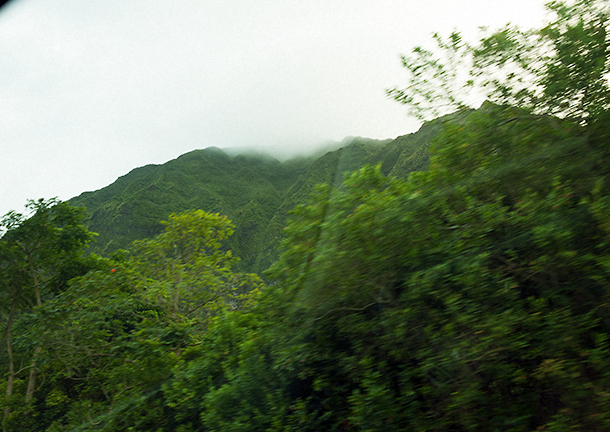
x=192 y=273
x=119 y=332
x=12 y=278
x=40 y=253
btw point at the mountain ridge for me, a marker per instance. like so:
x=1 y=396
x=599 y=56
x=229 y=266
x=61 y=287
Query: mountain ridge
x=254 y=189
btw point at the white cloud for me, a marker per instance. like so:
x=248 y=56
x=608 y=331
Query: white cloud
x=92 y=89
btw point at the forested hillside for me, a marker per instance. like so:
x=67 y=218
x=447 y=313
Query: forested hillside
x=254 y=191
x=471 y=296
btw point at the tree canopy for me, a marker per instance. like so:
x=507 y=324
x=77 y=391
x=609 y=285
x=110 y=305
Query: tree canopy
x=471 y=296
x=560 y=69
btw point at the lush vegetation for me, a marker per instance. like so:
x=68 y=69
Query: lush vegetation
x=255 y=191
x=470 y=296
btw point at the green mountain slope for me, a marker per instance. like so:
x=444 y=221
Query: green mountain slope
x=255 y=191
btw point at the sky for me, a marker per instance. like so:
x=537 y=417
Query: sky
x=90 y=89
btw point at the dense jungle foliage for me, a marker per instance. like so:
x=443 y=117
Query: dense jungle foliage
x=470 y=296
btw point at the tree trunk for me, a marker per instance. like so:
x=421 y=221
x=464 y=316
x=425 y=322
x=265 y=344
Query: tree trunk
x=9 y=350
x=33 y=370
x=35 y=280
x=29 y=394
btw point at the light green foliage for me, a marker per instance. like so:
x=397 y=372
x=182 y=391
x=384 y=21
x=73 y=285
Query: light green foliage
x=189 y=270
x=114 y=337
x=434 y=83
x=343 y=227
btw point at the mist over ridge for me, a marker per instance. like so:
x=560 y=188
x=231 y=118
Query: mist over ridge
x=286 y=152
x=255 y=188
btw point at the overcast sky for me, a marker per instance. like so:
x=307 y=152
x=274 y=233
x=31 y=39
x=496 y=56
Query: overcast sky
x=90 y=89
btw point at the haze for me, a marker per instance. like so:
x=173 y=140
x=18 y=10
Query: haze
x=92 y=89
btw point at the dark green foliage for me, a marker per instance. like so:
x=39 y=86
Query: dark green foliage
x=38 y=257
x=473 y=296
